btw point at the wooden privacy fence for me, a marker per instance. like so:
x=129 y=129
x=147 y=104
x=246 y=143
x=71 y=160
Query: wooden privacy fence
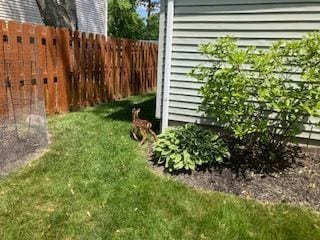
x=72 y=69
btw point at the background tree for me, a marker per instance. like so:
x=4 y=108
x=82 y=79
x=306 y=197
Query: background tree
x=124 y=21
x=152 y=6
x=58 y=13
x=153 y=24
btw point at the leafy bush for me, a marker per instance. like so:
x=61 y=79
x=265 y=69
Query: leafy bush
x=189 y=146
x=262 y=95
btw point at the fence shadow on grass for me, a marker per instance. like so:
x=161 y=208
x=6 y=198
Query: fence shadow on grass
x=121 y=110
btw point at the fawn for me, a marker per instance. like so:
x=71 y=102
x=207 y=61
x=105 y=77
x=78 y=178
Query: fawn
x=141 y=125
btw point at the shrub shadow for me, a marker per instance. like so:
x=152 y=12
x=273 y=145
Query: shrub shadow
x=121 y=110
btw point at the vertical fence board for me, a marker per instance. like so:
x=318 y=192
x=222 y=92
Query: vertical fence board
x=117 y=66
x=109 y=69
x=132 y=68
x=64 y=68
x=50 y=62
x=83 y=74
x=27 y=41
x=41 y=40
x=97 y=61
x=22 y=93
x=76 y=75
x=141 y=62
x=103 y=69
x=13 y=69
x=126 y=66
x=4 y=110
x=90 y=70
x=35 y=71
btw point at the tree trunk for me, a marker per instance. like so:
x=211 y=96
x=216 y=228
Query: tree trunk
x=149 y=10
x=59 y=13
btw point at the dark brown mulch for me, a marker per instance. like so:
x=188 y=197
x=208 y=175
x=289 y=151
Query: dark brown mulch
x=298 y=183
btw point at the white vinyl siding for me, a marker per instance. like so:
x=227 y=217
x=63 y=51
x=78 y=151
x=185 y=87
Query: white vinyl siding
x=20 y=10
x=254 y=22
x=92 y=16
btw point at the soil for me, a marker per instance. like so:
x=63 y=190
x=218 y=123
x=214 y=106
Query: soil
x=297 y=182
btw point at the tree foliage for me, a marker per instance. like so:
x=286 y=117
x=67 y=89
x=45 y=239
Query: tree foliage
x=153 y=23
x=262 y=95
x=123 y=20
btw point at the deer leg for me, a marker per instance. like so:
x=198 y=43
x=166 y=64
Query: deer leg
x=144 y=137
x=153 y=134
x=134 y=134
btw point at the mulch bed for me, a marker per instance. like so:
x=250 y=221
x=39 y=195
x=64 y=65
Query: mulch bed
x=297 y=183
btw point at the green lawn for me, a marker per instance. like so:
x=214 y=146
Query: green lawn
x=95 y=183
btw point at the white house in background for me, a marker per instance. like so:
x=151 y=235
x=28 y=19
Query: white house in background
x=20 y=10
x=184 y=24
x=91 y=14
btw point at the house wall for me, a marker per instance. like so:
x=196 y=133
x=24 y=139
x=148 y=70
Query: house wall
x=253 y=22
x=92 y=16
x=20 y=10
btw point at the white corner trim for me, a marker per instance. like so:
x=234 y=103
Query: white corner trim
x=106 y=18
x=167 y=66
x=160 y=57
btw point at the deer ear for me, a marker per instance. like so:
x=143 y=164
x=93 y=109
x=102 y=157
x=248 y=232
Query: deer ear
x=138 y=109
x=133 y=109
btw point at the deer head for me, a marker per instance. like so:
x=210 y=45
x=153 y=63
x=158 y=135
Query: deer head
x=135 y=113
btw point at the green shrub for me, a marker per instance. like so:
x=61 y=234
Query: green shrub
x=189 y=146
x=263 y=95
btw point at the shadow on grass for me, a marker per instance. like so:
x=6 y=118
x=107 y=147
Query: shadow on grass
x=120 y=110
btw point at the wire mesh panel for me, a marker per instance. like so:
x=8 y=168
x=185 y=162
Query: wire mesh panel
x=23 y=123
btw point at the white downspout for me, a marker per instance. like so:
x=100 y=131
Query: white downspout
x=167 y=67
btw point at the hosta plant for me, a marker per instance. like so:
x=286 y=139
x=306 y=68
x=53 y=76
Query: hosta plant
x=189 y=146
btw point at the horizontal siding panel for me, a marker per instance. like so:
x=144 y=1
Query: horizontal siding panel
x=280 y=34
x=238 y=18
x=206 y=121
x=245 y=42
x=249 y=9
x=184 y=91
x=185 y=98
x=193 y=107
x=239 y=2
x=181 y=77
x=200 y=114
x=185 y=85
x=265 y=26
